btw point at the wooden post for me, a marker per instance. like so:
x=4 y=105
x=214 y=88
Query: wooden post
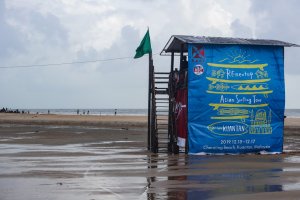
x=181 y=55
x=171 y=105
x=149 y=102
x=172 y=61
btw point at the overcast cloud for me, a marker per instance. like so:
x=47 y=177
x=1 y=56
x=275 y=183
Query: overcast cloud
x=56 y=31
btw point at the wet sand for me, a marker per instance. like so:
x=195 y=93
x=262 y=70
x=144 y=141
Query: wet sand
x=104 y=157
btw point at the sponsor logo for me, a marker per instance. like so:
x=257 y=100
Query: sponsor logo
x=198 y=54
x=198 y=70
x=228 y=128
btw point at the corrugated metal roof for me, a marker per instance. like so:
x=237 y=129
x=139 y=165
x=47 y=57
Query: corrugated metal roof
x=175 y=42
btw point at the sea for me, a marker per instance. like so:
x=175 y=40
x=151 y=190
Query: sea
x=123 y=112
x=290 y=113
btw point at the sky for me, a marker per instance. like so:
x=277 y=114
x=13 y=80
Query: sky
x=35 y=32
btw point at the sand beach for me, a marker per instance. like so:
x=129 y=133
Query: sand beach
x=74 y=120
x=105 y=157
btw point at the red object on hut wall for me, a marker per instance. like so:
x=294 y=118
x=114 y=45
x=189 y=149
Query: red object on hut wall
x=181 y=116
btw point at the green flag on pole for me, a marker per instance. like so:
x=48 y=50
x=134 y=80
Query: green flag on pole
x=144 y=47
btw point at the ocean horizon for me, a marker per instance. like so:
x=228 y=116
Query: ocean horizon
x=290 y=113
x=89 y=111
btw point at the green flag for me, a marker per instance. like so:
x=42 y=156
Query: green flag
x=144 y=47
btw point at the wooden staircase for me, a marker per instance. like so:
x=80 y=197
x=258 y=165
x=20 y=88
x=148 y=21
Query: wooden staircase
x=161 y=108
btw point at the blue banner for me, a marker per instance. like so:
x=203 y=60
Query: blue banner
x=236 y=98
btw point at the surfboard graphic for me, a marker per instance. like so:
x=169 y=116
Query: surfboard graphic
x=216 y=80
x=257 y=92
x=218 y=105
x=231 y=117
x=250 y=87
x=239 y=66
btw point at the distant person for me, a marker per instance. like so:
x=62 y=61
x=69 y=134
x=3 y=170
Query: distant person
x=83 y=112
x=115 y=112
x=88 y=112
x=77 y=111
x=48 y=112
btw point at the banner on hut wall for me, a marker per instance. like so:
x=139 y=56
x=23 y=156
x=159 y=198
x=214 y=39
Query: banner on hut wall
x=235 y=98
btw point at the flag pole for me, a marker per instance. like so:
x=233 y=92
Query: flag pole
x=149 y=104
x=145 y=48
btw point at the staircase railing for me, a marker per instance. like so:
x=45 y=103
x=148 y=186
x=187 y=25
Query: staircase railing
x=162 y=119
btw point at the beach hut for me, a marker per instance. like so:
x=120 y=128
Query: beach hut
x=225 y=96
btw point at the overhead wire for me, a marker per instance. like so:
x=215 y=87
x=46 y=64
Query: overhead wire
x=67 y=63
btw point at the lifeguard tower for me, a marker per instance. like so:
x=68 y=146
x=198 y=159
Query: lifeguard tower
x=226 y=97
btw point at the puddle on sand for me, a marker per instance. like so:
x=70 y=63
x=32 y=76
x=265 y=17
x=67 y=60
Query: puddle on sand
x=198 y=181
x=120 y=170
x=120 y=175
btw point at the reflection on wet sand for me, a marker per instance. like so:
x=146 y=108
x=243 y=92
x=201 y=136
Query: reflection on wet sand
x=59 y=163
x=219 y=177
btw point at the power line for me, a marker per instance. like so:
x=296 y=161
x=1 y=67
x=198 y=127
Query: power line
x=67 y=63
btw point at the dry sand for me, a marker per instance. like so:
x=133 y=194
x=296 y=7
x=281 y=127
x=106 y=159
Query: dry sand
x=92 y=120
x=105 y=157
x=74 y=120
